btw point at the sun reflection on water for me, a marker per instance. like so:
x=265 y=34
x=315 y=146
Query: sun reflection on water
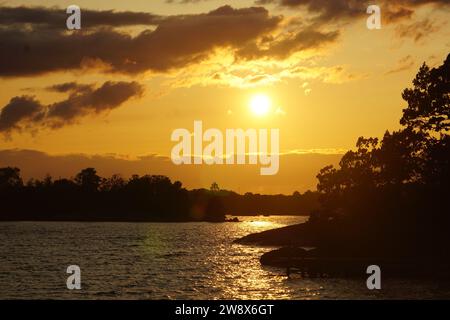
x=243 y=277
x=263 y=224
x=167 y=261
x=200 y=261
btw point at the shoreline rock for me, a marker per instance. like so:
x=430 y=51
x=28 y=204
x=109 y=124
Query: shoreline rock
x=294 y=235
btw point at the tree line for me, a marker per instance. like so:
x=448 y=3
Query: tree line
x=89 y=197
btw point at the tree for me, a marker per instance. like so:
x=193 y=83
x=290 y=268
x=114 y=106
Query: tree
x=10 y=178
x=114 y=183
x=428 y=113
x=417 y=155
x=429 y=100
x=88 y=179
x=214 y=187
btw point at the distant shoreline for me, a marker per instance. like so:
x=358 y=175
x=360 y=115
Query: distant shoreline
x=112 y=220
x=148 y=198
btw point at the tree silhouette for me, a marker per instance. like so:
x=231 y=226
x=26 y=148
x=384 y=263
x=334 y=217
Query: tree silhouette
x=429 y=100
x=88 y=179
x=414 y=154
x=214 y=187
x=89 y=197
x=394 y=190
x=10 y=178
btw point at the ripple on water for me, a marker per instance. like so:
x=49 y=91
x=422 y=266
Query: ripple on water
x=163 y=261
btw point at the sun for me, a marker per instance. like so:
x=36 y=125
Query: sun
x=260 y=104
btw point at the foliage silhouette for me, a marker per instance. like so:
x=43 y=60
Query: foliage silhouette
x=389 y=197
x=89 y=197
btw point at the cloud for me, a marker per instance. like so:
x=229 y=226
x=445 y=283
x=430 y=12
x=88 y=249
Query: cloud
x=326 y=10
x=306 y=39
x=55 y=18
x=335 y=74
x=330 y=10
x=265 y=72
x=20 y=112
x=70 y=87
x=419 y=30
x=176 y=42
x=26 y=112
x=403 y=64
x=81 y=103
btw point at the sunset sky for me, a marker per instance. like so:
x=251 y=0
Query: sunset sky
x=111 y=94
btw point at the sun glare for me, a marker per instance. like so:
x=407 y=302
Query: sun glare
x=260 y=104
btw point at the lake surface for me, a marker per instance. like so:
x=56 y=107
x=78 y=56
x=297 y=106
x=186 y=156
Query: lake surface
x=166 y=261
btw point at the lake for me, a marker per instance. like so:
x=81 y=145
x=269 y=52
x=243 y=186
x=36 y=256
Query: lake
x=166 y=261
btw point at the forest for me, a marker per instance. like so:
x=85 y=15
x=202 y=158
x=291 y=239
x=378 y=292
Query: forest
x=89 y=197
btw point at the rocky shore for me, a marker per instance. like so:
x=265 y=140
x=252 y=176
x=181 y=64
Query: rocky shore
x=294 y=235
x=298 y=252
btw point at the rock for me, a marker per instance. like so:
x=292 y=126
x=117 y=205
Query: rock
x=281 y=257
x=295 y=235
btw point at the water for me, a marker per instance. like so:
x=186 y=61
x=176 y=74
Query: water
x=165 y=261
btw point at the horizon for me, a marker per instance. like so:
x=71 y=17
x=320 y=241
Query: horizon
x=66 y=166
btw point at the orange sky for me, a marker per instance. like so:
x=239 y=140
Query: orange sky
x=329 y=79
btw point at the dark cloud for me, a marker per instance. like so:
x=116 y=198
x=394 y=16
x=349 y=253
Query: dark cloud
x=338 y=5
x=42 y=17
x=397 y=13
x=326 y=10
x=70 y=87
x=28 y=113
x=176 y=42
x=20 y=112
x=172 y=42
x=330 y=10
x=80 y=103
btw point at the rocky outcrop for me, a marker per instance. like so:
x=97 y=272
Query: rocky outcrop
x=295 y=235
